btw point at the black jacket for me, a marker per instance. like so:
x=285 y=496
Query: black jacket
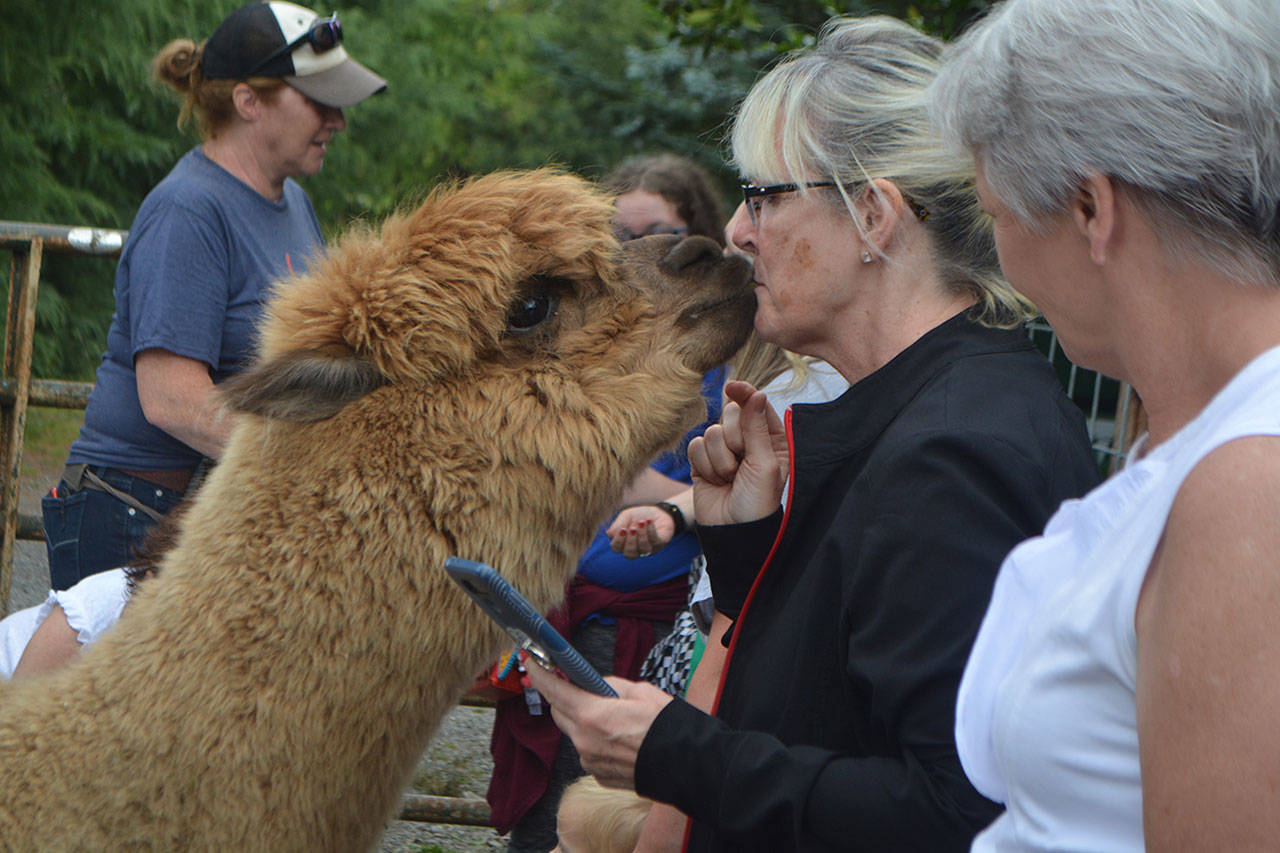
x=834 y=730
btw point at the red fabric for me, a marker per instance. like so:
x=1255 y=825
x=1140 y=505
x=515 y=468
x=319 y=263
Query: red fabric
x=524 y=746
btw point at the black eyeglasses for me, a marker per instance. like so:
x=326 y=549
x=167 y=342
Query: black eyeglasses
x=323 y=35
x=752 y=195
x=625 y=235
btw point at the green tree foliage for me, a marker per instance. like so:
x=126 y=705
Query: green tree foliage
x=476 y=85
x=83 y=134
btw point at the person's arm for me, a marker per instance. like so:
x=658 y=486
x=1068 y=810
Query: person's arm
x=925 y=553
x=53 y=645
x=1208 y=682
x=649 y=486
x=177 y=395
x=665 y=826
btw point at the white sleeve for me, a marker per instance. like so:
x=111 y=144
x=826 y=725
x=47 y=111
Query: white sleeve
x=94 y=605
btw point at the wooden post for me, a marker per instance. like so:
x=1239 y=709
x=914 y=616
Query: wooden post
x=20 y=324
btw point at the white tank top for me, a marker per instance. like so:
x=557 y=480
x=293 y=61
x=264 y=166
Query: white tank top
x=1046 y=713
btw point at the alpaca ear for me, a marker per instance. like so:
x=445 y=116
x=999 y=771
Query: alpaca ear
x=301 y=386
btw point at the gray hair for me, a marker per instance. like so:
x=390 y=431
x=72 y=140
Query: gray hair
x=1178 y=101
x=852 y=108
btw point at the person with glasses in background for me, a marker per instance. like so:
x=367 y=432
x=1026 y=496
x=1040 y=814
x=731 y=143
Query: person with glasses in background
x=267 y=91
x=855 y=604
x=664 y=194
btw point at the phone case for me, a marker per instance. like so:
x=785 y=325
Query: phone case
x=523 y=623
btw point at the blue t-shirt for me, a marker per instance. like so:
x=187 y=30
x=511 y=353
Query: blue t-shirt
x=601 y=565
x=196 y=269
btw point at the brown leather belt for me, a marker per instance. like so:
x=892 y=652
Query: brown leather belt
x=174 y=480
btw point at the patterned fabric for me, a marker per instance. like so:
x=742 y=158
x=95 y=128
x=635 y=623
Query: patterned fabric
x=672 y=658
x=669 y=663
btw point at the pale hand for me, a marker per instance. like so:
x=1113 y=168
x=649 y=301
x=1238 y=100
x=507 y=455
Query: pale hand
x=606 y=731
x=639 y=531
x=740 y=465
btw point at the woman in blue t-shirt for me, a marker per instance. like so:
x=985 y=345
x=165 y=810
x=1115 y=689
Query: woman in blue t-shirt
x=267 y=90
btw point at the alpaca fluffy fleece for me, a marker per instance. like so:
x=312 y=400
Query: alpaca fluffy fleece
x=480 y=376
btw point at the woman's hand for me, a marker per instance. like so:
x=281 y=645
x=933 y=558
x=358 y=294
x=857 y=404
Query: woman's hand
x=606 y=731
x=639 y=531
x=740 y=465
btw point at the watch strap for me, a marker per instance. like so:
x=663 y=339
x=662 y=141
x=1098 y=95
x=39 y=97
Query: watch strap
x=676 y=515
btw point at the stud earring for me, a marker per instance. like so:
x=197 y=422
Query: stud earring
x=866 y=257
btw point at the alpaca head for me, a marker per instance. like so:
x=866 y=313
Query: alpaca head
x=498 y=333
x=506 y=268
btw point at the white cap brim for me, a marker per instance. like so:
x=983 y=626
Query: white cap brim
x=344 y=85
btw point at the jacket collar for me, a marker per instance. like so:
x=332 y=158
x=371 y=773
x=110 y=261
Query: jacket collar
x=845 y=426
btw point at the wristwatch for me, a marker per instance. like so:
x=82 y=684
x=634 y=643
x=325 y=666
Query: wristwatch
x=676 y=515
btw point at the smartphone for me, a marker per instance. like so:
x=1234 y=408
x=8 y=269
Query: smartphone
x=523 y=623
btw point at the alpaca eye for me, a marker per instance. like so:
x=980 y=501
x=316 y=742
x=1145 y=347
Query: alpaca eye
x=531 y=312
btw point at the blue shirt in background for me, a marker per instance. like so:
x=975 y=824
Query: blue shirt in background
x=196 y=269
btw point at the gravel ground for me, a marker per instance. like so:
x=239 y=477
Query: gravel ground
x=457 y=763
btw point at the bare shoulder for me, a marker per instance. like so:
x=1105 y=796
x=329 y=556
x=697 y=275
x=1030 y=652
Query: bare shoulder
x=1222 y=539
x=1230 y=500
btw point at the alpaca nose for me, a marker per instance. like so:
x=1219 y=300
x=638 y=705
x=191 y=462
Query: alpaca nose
x=690 y=252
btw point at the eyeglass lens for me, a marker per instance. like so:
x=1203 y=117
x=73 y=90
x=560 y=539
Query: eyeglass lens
x=753 y=197
x=626 y=235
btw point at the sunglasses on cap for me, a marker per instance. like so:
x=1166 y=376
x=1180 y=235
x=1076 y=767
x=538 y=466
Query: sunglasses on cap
x=323 y=35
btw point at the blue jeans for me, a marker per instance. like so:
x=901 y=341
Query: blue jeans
x=88 y=531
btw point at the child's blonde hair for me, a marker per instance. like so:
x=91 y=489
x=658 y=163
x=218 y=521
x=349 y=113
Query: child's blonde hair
x=600 y=819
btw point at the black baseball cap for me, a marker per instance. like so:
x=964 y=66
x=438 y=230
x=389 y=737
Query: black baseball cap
x=279 y=39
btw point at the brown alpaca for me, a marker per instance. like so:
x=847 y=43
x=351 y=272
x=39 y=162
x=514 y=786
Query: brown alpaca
x=479 y=377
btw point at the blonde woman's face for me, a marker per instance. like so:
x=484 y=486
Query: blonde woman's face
x=806 y=254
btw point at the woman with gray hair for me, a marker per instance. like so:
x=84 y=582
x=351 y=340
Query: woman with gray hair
x=1122 y=692
x=855 y=606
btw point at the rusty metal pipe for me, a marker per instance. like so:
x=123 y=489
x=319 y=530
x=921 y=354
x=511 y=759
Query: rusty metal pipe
x=73 y=239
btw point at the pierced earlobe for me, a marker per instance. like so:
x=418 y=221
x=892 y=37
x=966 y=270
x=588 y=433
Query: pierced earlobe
x=866 y=257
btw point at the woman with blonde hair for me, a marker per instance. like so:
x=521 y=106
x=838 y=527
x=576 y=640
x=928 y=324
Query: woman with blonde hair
x=267 y=91
x=855 y=604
